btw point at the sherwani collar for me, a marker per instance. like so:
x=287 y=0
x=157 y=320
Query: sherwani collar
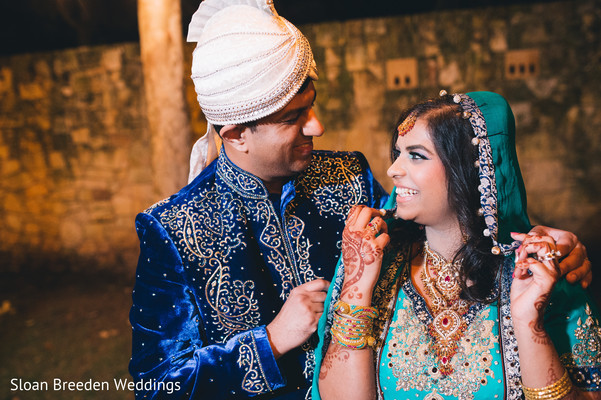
x=244 y=183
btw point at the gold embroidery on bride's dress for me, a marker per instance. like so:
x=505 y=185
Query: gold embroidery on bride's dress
x=441 y=281
x=385 y=294
x=585 y=357
x=587 y=352
x=411 y=361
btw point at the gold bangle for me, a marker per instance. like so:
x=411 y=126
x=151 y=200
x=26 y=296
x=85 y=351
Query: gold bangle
x=354 y=311
x=555 y=391
x=356 y=343
x=352 y=332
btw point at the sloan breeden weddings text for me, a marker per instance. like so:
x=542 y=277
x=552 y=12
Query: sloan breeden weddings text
x=91 y=385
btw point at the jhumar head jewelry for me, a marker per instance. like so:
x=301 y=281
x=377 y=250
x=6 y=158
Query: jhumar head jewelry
x=407 y=124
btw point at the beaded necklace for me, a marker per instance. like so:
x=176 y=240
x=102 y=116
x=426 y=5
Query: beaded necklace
x=441 y=281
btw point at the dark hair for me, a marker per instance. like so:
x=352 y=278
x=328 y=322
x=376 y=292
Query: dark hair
x=252 y=125
x=452 y=136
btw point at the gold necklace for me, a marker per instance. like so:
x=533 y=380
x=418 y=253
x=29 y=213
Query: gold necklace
x=441 y=281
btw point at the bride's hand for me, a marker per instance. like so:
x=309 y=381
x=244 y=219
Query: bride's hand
x=363 y=240
x=536 y=272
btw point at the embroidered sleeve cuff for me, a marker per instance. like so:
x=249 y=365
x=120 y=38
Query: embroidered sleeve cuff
x=256 y=359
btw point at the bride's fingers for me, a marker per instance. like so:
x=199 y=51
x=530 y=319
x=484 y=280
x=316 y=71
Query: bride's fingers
x=353 y=215
x=358 y=217
x=544 y=251
x=544 y=254
x=363 y=217
x=367 y=220
x=379 y=224
x=375 y=224
x=521 y=270
x=382 y=240
x=528 y=239
x=531 y=268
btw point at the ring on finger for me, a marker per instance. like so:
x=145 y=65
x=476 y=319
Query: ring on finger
x=550 y=256
x=373 y=226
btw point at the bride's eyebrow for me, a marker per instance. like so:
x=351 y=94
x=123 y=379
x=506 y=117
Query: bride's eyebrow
x=418 y=147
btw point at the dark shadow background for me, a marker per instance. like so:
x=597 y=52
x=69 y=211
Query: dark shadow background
x=37 y=25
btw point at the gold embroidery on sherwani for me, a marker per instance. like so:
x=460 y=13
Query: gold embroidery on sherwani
x=206 y=240
x=335 y=183
x=210 y=228
x=254 y=380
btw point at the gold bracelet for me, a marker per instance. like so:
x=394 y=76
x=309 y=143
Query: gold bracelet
x=555 y=391
x=354 y=311
x=352 y=332
x=357 y=342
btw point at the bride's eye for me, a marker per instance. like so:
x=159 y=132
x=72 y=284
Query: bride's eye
x=414 y=155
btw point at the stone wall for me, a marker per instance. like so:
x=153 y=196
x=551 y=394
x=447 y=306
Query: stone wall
x=74 y=158
x=74 y=143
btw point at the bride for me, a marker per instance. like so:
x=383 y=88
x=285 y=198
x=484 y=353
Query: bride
x=471 y=309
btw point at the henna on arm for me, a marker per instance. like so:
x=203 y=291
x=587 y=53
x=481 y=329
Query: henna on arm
x=336 y=352
x=552 y=376
x=539 y=334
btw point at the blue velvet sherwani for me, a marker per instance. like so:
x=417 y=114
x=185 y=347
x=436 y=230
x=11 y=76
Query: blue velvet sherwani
x=218 y=259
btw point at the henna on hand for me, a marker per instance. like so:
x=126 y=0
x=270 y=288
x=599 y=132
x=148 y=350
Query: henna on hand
x=360 y=253
x=353 y=215
x=356 y=255
x=354 y=264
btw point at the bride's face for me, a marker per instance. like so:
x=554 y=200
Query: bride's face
x=420 y=179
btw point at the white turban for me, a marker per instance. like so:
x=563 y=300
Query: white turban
x=248 y=63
